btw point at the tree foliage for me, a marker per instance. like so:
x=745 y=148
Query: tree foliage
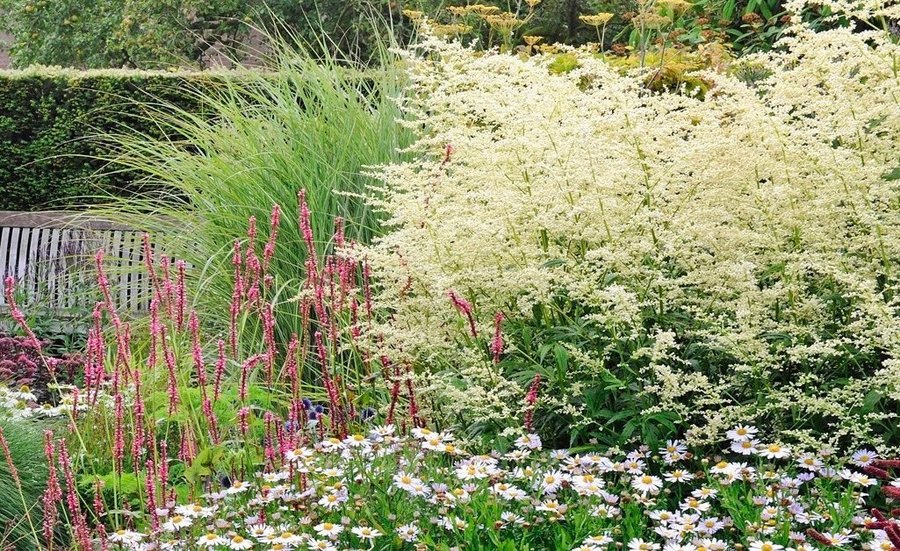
x=153 y=34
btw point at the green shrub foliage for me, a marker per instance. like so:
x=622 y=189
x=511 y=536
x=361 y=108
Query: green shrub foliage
x=48 y=118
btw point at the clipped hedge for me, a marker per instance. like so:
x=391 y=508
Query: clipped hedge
x=48 y=117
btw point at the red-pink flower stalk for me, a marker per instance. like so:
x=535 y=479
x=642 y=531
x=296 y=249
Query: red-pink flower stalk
x=530 y=400
x=306 y=226
x=244 y=420
x=269 y=438
x=464 y=307
x=180 y=295
x=237 y=294
x=448 y=153
x=149 y=263
x=13 y=472
x=245 y=374
x=211 y=420
x=103 y=283
x=14 y=311
x=819 y=537
x=119 y=438
x=95 y=365
x=251 y=232
x=336 y=411
x=123 y=333
x=254 y=275
x=76 y=517
x=99 y=506
x=137 y=438
x=101 y=535
x=319 y=304
x=197 y=351
x=163 y=466
x=167 y=292
x=53 y=493
x=876 y=472
x=290 y=366
x=395 y=388
x=150 y=483
x=891 y=491
x=268 y=319
x=171 y=367
x=886 y=463
x=155 y=334
x=220 y=371
x=497 y=341
x=893 y=533
x=269 y=249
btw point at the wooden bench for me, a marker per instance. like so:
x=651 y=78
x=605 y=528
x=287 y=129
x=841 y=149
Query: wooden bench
x=51 y=256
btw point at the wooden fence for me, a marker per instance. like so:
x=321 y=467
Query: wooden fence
x=51 y=257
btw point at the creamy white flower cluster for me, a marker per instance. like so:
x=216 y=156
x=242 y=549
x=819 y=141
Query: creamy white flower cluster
x=756 y=209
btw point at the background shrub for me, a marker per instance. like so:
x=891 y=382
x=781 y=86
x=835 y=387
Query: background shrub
x=47 y=117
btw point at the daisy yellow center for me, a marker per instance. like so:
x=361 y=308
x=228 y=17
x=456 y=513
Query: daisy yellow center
x=809 y=461
x=746 y=444
x=177 y=518
x=120 y=532
x=359 y=437
x=742 y=431
x=286 y=535
x=237 y=539
x=774 y=448
x=646 y=479
x=328 y=526
x=767 y=547
x=405 y=479
x=863 y=458
x=211 y=537
x=722 y=464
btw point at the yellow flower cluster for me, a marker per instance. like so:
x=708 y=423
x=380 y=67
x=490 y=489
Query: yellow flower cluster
x=765 y=211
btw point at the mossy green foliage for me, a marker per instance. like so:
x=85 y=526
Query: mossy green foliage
x=26 y=447
x=49 y=116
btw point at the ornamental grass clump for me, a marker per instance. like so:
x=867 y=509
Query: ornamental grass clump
x=255 y=140
x=699 y=258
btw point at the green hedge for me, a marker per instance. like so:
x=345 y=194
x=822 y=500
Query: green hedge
x=48 y=118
